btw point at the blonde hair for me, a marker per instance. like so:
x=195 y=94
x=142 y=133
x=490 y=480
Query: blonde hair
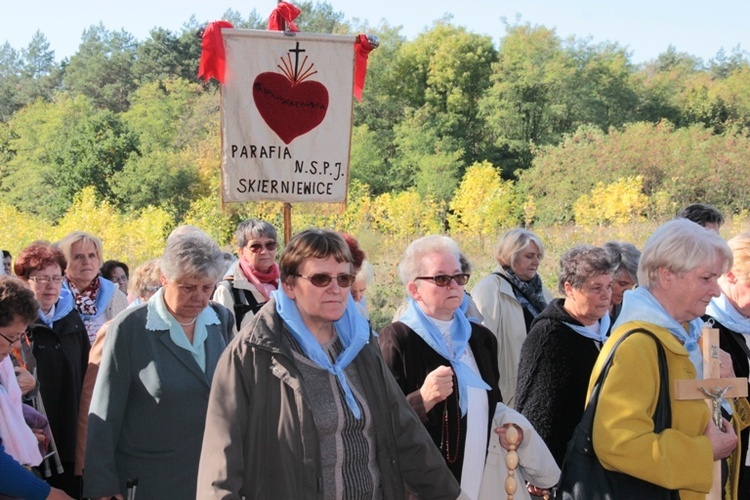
x=740 y=246
x=513 y=243
x=70 y=239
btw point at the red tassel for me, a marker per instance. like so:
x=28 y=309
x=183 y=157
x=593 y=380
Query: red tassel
x=213 y=61
x=362 y=48
x=284 y=11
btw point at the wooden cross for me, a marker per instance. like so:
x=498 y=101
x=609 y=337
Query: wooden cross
x=711 y=388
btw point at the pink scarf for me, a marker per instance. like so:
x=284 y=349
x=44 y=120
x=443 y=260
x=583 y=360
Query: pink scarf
x=265 y=282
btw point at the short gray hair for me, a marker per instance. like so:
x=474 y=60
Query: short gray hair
x=681 y=246
x=513 y=243
x=581 y=263
x=253 y=228
x=624 y=257
x=411 y=263
x=192 y=255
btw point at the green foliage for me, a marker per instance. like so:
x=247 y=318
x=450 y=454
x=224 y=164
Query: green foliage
x=483 y=202
x=102 y=69
x=679 y=165
x=57 y=149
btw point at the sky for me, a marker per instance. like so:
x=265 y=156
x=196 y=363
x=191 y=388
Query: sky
x=646 y=28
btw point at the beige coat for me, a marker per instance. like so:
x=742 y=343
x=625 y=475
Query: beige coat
x=503 y=316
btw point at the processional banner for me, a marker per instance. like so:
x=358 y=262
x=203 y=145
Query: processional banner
x=286 y=119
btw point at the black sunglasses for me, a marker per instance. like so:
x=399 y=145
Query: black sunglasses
x=323 y=280
x=445 y=279
x=257 y=247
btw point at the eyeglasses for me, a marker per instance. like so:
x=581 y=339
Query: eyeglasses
x=121 y=279
x=11 y=342
x=323 y=280
x=258 y=247
x=444 y=279
x=46 y=279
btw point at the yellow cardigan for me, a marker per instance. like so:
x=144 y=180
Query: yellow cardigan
x=624 y=439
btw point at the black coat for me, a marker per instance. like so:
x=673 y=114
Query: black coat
x=410 y=359
x=734 y=343
x=62 y=355
x=553 y=377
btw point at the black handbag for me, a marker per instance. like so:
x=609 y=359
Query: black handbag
x=583 y=477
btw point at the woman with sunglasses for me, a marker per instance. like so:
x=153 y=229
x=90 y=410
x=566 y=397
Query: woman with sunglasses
x=60 y=346
x=302 y=405
x=445 y=364
x=250 y=281
x=560 y=351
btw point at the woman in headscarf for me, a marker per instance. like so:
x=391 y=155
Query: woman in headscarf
x=510 y=298
x=302 y=406
x=562 y=347
x=97 y=299
x=148 y=410
x=730 y=313
x=250 y=281
x=60 y=347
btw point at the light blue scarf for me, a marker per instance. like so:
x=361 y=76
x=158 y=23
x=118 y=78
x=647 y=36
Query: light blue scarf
x=726 y=314
x=423 y=326
x=353 y=330
x=641 y=305
x=590 y=334
x=62 y=308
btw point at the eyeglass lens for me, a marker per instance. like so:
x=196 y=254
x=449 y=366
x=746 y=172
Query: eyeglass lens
x=257 y=247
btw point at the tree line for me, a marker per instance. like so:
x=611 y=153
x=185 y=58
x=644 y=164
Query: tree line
x=548 y=130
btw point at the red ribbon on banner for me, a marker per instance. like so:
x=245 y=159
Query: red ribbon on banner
x=362 y=48
x=287 y=12
x=213 y=61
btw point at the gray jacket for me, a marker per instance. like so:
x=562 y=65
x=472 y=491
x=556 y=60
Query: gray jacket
x=261 y=441
x=148 y=409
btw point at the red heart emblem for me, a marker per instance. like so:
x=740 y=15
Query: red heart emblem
x=289 y=109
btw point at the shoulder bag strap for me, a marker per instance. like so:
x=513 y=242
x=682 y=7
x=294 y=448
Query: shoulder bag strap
x=663 y=413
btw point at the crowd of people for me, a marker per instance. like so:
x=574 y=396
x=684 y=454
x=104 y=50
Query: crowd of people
x=262 y=377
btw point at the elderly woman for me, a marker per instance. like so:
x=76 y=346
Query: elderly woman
x=145 y=283
x=18 y=444
x=509 y=299
x=678 y=276
x=148 y=409
x=730 y=313
x=624 y=257
x=562 y=346
x=302 y=405
x=97 y=299
x=445 y=365
x=118 y=273
x=60 y=347
x=250 y=281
